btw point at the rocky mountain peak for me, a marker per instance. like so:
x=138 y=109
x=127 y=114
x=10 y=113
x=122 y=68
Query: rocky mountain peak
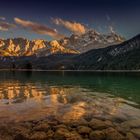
x=25 y=47
x=91 y=40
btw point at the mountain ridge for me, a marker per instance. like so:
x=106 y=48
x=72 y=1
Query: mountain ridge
x=74 y=44
x=124 y=56
x=92 y=40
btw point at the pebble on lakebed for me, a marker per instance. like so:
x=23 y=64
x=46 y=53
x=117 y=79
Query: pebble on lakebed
x=95 y=129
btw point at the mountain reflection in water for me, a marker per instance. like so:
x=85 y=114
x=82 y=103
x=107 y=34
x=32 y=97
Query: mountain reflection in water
x=35 y=98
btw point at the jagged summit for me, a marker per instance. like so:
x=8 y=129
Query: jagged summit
x=25 y=47
x=91 y=40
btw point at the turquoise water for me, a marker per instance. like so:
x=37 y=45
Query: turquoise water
x=126 y=85
x=33 y=92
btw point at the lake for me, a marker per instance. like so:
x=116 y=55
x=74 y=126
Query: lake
x=71 y=96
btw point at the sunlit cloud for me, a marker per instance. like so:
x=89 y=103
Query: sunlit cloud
x=5 y=26
x=38 y=28
x=74 y=27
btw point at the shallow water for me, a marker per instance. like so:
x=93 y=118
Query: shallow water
x=69 y=95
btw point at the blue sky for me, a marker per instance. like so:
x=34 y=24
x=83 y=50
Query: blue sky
x=122 y=15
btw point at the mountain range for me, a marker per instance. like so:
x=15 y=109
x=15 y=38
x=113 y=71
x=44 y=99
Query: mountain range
x=121 y=56
x=124 y=56
x=74 y=44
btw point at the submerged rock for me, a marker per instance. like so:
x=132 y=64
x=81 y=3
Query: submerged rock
x=7 y=138
x=38 y=135
x=131 y=124
x=50 y=134
x=84 y=130
x=21 y=132
x=76 y=123
x=63 y=133
x=60 y=126
x=97 y=135
x=21 y=137
x=42 y=127
x=74 y=136
x=130 y=136
x=112 y=134
x=136 y=132
x=99 y=124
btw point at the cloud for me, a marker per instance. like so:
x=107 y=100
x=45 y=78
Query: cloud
x=5 y=26
x=2 y=18
x=38 y=28
x=74 y=27
x=108 y=18
x=111 y=29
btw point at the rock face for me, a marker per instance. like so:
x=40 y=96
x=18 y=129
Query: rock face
x=55 y=48
x=24 y=47
x=20 y=47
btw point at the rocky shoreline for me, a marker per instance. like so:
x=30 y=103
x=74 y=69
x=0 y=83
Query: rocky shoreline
x=68 y=113
x=82 y=129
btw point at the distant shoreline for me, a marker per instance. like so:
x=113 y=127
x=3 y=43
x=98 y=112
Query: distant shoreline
x=39 y=70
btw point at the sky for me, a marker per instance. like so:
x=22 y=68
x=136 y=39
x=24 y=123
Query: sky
x=55 y=19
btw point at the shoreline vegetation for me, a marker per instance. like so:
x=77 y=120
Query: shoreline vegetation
x=39 y=70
